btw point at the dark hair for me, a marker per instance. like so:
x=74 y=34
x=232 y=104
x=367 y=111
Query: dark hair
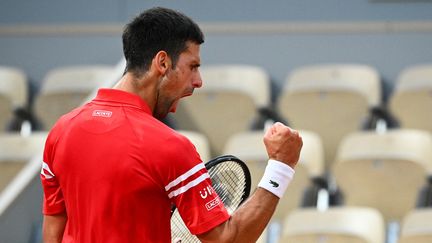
x=154 y=30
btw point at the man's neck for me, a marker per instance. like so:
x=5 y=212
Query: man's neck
x=145 y=87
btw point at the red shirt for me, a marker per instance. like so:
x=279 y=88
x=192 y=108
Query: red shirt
x=115 y=170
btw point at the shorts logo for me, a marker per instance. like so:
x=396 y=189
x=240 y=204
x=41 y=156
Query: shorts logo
x=102 y=113
x=212 y=204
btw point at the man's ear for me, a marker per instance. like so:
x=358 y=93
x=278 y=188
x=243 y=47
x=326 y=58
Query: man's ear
x=162 y=62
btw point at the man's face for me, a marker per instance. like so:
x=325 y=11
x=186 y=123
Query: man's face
x=179 y=82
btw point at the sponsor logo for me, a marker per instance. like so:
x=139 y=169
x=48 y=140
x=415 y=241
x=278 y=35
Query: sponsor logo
x=207 y=191
x=274 y=184
x=46 y=171
x=102 y=113
x=212 y=204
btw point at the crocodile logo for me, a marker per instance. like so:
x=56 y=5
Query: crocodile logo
x=274 y=184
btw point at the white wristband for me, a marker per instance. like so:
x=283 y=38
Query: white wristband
x=277 y=177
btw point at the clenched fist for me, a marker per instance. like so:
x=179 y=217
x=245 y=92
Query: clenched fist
x=283 y=144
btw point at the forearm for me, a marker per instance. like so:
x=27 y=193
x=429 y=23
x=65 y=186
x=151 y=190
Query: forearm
x=53 y=228
x=283 y=147
x=247 y=222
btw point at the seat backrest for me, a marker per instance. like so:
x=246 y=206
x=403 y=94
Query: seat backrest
x=417 y=227
x=15 y=151
x=324 y=97
x=252 y=80
x=335 y=225
x=384 y=171
x=249 y=147
x=13 y=93
x=411 y=101
x=66 y=88
x=227 y=103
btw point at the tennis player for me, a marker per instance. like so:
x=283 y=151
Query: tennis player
x=111 y=169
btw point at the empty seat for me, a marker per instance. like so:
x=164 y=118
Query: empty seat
x=226 y=104
x=65 y=88
x=417 y=227
x=411 y=101
x=200 y=142
x=335 y=225
x=13 y=93
x=331 y=100
x=249 y=147
x=384 y=171
x=15 y=151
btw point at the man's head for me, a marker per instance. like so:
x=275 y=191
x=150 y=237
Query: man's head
x=154 y=30
x=162 y=51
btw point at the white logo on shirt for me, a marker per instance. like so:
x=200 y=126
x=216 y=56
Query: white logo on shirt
x=212 y=204
x=102 y=113
x=46 y=171
x=206 y=192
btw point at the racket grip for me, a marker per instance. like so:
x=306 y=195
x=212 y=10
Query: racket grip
x=277 y=176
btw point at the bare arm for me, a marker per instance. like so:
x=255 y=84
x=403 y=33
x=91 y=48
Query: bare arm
x=248 y=222
x=53 y=228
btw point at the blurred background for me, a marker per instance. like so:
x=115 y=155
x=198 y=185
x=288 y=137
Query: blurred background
x=297 y=54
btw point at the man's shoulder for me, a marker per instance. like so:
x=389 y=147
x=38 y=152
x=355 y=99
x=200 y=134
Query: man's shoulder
x=171 y=135
x=66 y=119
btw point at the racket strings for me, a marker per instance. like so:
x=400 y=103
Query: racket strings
x=228 y=181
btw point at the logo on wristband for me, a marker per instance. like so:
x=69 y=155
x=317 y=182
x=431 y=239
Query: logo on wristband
x=274 y=184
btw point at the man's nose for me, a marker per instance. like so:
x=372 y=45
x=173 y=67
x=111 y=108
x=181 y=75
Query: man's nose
x=197 y=81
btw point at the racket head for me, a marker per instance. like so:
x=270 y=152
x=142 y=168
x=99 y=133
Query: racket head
x=231 y=180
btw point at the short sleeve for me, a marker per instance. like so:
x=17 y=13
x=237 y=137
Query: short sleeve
x=53 y=201
x=190 y=189
x=201 y=208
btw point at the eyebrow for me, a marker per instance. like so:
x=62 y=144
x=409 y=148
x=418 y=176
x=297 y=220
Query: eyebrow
x=195 y=63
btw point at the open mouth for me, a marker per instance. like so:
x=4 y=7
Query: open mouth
x=175 y=103
x=187 y=94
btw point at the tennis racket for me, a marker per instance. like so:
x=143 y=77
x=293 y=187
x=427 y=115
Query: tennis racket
x=231 y=180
